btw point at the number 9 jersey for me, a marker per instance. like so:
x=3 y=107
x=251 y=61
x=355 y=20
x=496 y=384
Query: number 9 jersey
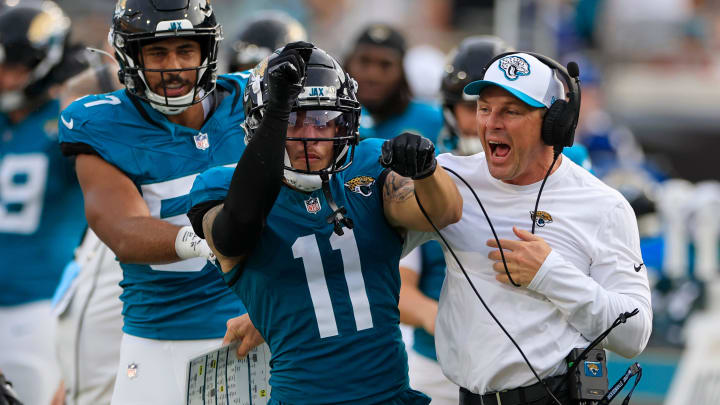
x=186 y=299
x=41 y=208
x=326 y=304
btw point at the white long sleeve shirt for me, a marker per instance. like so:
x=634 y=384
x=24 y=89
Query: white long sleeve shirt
x=587 y=280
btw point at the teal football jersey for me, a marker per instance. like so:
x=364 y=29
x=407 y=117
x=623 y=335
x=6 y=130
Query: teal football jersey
x=187 y=299
x=419 y=117
x=41 y=207
x=326 y=304
x=432 y=274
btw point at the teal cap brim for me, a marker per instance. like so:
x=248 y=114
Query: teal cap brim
x=477 y=86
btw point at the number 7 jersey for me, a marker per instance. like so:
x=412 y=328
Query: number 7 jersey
x=187 y=299
x=326 y=304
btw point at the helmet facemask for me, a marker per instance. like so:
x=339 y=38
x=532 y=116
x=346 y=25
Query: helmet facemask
x=328 y=98
x=128 y=51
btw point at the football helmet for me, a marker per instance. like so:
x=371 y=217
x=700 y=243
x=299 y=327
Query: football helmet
x=329 y=94
x=265 y=32
x=34 y=35
x=139 y=22
x=465 y=65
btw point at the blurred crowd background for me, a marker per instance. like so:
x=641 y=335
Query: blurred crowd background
x=650 y=78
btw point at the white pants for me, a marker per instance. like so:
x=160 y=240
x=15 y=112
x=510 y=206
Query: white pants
x=27 y=352
x=427 y=376
x=89 y=330
x=154 y=372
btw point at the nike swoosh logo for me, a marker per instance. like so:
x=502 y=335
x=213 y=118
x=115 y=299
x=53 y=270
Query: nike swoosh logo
x=638 y=267
x=69 y=125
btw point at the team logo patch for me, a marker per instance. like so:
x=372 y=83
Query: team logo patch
x=312 y=205
x=132 y=370
x=593 y=369
x=201 y=141
x=361 y=185
x=514 y=67
x=542 y=218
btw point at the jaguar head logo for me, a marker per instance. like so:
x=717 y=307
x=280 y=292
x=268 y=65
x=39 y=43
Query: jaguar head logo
x=514 y=66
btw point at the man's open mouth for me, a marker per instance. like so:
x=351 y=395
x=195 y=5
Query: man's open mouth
x=499 y=149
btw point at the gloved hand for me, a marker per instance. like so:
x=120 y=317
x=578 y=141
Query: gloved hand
x=409 y=155
x=286 y=74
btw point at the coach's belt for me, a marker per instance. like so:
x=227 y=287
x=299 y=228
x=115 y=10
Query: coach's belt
x=516 y=396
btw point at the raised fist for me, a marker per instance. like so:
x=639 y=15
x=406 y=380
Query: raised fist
x=286 y=73
x=409 y=155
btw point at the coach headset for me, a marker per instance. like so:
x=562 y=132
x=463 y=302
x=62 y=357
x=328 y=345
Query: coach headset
x=558 y=131
x=561 y=119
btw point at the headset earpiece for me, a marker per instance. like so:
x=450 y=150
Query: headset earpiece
x=554 y=125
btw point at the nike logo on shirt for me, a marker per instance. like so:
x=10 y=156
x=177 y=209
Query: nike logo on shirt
x=69 y=124
x=638 y=267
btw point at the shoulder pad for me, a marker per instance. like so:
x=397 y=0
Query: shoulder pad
x=211 y=185
x=89 y=107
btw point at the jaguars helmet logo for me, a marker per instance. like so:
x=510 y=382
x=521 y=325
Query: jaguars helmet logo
x=514 y=67
x=361 y=185
x=542 y=218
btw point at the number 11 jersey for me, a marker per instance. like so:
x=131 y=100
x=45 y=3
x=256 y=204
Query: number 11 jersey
x=326 y=304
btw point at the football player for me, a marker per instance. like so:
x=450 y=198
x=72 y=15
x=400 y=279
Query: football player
x=88 y=309
x=265 y=32
x=314 y=253
x=137 y=152
x=376 y=61
x=41 y=218
x=465 y=64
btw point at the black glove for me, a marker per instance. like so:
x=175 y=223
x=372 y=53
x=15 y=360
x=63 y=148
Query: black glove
x=7 y=394
x=286 y=74
x=409 y=155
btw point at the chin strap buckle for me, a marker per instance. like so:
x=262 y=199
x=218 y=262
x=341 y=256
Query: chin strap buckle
x=337 y=217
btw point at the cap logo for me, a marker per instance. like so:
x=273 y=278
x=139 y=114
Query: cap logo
x=379 y=33
x=514 y=67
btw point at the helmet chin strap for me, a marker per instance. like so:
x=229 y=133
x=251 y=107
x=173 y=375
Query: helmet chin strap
x=158 y=102
x=174 y=105
x=312 y=182
x=301 y=181
x=337 y=217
